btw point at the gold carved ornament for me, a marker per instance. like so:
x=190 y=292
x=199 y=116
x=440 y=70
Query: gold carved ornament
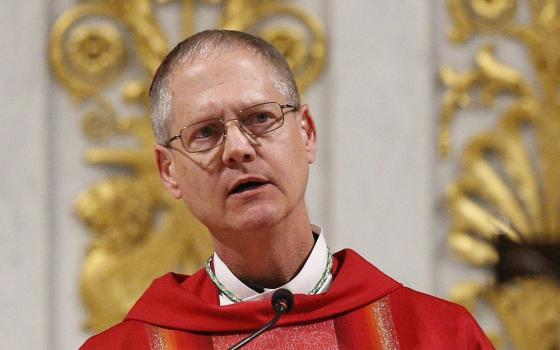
x=138 y=231
x=505 y=203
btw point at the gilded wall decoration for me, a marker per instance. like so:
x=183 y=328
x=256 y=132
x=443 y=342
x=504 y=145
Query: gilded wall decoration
x=98 y=47
x=505 y=202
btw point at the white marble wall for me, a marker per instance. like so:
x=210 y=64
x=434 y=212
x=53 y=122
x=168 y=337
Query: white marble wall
x=380 y=134
x=372 y=187
x=25 y=235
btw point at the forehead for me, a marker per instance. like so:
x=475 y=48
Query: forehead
x=213 y=86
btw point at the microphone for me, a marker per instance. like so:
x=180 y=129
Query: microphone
x=282 y=302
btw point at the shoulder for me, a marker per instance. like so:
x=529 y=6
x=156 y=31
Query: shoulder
x=128 y=334
x=424 y=319
x=412 y=299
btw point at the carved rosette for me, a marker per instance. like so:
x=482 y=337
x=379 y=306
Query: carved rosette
x=137 y=231
x=505 y=201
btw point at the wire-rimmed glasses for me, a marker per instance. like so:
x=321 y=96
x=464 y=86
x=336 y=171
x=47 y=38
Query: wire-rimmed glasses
x=254 y=121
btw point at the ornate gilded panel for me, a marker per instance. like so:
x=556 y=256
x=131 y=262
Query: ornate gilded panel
x=105 y=53
x=505 y=202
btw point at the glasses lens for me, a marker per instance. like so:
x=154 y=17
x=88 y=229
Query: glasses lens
x=203 y=135
x=262 y=118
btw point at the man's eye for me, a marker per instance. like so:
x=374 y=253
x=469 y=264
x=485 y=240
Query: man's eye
x=258 y=119
x=205 y=132
x=262 y=118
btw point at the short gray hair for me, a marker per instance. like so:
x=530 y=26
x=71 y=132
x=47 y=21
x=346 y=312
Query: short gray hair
x=203 y=45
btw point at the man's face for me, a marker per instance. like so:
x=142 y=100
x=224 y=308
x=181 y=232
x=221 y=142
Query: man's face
x=214 y=184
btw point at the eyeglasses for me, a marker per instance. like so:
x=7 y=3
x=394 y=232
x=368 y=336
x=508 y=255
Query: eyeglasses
x=254 y=121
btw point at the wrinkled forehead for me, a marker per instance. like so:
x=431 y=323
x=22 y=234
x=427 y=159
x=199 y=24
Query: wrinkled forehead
x=211 y=84
x=211 y=54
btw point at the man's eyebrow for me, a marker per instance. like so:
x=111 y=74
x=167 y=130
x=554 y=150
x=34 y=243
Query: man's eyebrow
x=253 y=102
x=212 y=111
x=205 y=112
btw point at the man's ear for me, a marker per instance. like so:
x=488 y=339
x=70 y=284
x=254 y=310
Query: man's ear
x=166 y=169
x=308 y=133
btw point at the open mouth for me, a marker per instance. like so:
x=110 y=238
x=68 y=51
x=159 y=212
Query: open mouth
x=247 y=186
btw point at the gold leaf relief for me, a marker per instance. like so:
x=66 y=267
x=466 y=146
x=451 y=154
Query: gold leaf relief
x=304 y=45
x=470 y=17
x=490 y=75
x=79 y=53
x=530 y=309
x=505 y=200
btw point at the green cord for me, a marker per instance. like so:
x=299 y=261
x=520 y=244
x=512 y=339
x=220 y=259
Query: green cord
x=229 y=294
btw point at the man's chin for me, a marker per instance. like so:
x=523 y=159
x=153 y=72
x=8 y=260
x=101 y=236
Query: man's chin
x=255 y=219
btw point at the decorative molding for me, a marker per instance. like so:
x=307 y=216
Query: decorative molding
x=505 y=201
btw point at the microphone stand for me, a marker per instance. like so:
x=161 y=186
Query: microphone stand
x=282 y=301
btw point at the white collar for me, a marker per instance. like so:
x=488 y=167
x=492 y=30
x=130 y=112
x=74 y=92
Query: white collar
x=302 y=283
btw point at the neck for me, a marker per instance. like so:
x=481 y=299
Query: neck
x=268 y=257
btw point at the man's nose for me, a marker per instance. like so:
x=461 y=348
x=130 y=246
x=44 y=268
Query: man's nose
x=237 y=146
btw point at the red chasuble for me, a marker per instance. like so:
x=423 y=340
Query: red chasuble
x=363 y=309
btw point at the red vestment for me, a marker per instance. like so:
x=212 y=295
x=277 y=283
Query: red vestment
x=363 y=309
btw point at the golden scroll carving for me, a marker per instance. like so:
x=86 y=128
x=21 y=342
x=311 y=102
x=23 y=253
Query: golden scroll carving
x=99 y=49
x=505 y=203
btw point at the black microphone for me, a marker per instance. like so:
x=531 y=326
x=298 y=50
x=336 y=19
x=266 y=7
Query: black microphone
x=282 y=302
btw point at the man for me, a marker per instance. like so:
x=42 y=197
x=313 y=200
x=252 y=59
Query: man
x=235 y=145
